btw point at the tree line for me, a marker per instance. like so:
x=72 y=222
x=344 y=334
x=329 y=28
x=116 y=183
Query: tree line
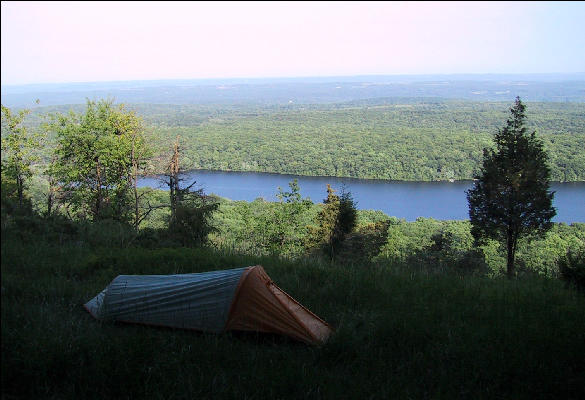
x=415 y=141
x=93 y=176
x=93 y=172
x=100 y=153
x=397 y=139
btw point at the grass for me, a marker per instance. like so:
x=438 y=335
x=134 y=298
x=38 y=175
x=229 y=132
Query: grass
x=400 y=333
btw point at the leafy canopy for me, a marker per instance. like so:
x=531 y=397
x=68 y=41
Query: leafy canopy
x=18 y=153
x=95 y=158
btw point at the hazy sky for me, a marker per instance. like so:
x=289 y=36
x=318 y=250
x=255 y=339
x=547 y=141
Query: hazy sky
x=46 y=42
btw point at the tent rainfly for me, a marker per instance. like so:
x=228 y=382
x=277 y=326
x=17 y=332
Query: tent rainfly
x=242 y=299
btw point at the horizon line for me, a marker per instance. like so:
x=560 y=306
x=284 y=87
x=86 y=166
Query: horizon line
x=297 y=77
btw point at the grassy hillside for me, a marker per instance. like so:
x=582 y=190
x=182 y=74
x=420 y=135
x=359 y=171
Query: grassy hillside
x=400 y=331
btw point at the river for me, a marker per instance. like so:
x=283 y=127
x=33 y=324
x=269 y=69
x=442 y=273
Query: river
x=408 y=200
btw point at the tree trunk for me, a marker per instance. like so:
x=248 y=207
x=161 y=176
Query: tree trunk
x=52 y=194
x=98 y=200
x=174 y=180
x=50 y=197
x=20 y=189
x=173 y=198
x=134 y=178
x=136 y=204
x=512 y=240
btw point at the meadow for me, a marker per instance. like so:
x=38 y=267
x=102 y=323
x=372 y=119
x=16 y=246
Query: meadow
x=402 y=330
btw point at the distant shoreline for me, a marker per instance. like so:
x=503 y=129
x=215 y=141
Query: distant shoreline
x=156 y=175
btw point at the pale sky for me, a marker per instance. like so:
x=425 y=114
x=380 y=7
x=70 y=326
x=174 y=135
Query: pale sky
x=46 y=42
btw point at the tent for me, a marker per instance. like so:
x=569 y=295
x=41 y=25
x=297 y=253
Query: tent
x=243 y=299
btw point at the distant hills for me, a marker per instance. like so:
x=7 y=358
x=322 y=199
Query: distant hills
x=306 y=90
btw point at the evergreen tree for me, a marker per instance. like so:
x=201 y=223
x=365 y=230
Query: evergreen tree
x=346 y=218
x=191 y=210
x=511 y=196
x=192 y=223
x=337 y=219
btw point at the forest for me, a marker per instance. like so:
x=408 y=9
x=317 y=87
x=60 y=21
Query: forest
x=409 y=139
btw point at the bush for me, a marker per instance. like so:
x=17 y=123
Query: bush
x=365 y=243
x=572 y=268
x=192 y=223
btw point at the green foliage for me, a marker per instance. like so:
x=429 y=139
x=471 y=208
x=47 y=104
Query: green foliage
x=511 y=197
x=10 y=204
x=240 y=226
x=191 y=225
x=543 y=255
x=190 y=211
x=572 y=268
x=282 y=225
x=449 y=246
x=96 y=160
x=321 y=234
x=396 y=139
x=261 y=227
x=336 y=220
x=382 y=138
x=452 y=249
x=364 y=244
x=347 y=217
x=19 y=152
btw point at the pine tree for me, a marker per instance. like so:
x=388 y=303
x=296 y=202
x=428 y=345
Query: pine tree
x=191 y=210
x=511 y=197
x=337 y=219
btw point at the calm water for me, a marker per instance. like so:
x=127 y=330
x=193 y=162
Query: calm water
x=408 y=200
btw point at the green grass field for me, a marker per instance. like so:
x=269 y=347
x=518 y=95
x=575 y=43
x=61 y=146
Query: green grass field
x=399 y=333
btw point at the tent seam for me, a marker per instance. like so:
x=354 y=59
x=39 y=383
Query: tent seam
x=290 y=312
x=243 y=278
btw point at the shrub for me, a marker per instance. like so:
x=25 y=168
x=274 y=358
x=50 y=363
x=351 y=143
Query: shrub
x=572 y=268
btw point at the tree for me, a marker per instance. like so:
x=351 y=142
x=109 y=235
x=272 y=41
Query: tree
x=347 y=216
x=52 y=194
x=97 y=160
x=336 y=220
x=282 y=224
x=511 y=196
x=18 y=152
x=366 y=242
x=192 y=222
x=173 y=181
x=191 y=211
x=139 y=154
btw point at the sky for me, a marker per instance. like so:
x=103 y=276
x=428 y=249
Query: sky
x=51 y=42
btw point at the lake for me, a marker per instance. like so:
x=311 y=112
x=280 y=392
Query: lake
x=408 y=200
